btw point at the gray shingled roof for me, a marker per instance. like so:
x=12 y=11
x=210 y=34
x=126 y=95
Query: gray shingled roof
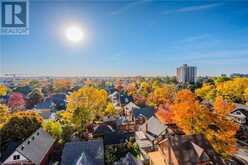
x=83 y=152
x=146 y=111
x=129 y=159
x=155 y=127
x=186 y=153
x=36 y=146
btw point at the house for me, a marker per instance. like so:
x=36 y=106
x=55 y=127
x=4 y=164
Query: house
x=128 y=109
x=101 y=129
x=123 y=124
x=47 y=104
x=59 y=100
x=129 y=159
x=115 y=97
x=154 y=130
x=140 y=115
x=145 y=145
x=240 y=114
x=83 y=153
x=125 y=98
x=188 y=150
x=156 y=158
x=115 y=138
x=45 y=109
x=36 y=149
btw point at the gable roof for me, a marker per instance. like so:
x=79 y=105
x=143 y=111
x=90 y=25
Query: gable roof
x=103 y=128
x=47 y=104
x=129 y=159
x=8 y=149
x=116 y=138
x=188 y=148
x=155 y=127
x=146 y=111
x=83 y=153
x=36 y=146
x=131 y=106
x=242 y=108
x=45 y=113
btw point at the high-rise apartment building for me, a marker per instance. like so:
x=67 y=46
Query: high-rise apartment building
x=187 y=74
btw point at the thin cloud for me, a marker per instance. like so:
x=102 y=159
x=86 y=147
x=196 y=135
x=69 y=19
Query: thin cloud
x=128 y=6
x=193 y=8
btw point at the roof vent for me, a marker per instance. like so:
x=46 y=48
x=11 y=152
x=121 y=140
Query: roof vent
x=33 y=138
x=28 y=141
x=22 y=147
x=38 y=133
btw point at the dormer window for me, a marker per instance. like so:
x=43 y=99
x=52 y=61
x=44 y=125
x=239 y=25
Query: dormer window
x=16 y=157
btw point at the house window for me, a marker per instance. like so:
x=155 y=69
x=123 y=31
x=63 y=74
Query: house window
x=16 y=157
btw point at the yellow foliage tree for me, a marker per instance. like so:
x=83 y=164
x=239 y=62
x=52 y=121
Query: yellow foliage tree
x=233 y=90
x=61 y=85
x=207 y=91
x=162 y=95
x=4 y=115
x=3 y=90
x=132 y=88
x=246 y=96
x=85 y=105
x=110 y=109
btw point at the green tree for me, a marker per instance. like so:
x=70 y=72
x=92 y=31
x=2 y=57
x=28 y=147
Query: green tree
x=20 y=126
x=53 y=128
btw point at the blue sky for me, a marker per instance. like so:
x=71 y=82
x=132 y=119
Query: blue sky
x=130 y=38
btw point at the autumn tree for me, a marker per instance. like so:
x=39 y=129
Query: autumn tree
x=246 y=96
x=85 y=105
x=16 y=101
x=193 y=118
x=233 y=90
x=110 y=109
x=188 y=113
x=4 y=115
x=221 y=79
x=222 y=134
x=61 y=85
x=207 y=91
x=132 y=89
x=3 y=90
x=162 y=95
x=165 y=114
x=34 y=97
x=53 y=128
x=35 y=84
x=20 y=125
x=144 y=88
x=118 y=85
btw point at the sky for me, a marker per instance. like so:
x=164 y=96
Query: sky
x=129 y=38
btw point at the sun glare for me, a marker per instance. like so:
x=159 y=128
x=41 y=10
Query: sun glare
x=74 y=33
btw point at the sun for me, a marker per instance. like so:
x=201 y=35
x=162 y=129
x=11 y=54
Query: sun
x=74 y=33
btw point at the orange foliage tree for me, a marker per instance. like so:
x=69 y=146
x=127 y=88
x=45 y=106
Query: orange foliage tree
x=192 y=118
